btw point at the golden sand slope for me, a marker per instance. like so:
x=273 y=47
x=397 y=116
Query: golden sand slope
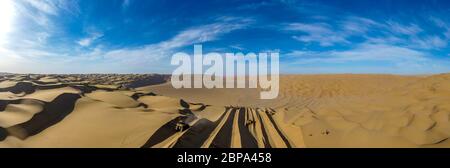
x=311 y=111
x=90 y=111
x=349 y=110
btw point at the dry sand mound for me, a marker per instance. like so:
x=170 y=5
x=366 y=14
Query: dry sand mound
x=84 y=111
x=311 y=111
x=348 y=110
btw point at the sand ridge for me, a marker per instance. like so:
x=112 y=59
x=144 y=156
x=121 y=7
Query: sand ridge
x=345 y=110
x=90 y=111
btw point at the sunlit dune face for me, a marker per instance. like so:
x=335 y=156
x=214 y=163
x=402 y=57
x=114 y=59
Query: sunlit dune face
x=7 y=12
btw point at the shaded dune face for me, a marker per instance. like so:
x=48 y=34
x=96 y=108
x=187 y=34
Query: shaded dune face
x=38 y=111
x=52 y=113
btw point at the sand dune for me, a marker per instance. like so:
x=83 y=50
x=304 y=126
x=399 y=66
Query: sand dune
x=311 y=111
x=347 y=110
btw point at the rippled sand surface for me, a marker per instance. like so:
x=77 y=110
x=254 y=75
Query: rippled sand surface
x=145 y=111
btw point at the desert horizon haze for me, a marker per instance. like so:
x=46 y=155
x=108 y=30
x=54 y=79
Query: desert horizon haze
x=224 y=74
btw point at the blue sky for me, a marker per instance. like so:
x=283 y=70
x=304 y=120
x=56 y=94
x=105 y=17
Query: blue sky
x=140 y=36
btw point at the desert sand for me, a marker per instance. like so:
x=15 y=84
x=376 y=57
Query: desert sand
x=342 y=110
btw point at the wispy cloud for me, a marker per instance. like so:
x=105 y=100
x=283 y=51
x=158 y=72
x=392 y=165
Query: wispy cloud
x=354 y=25
x=29 y=45
x=190 y=36
x=316 y=32
x=363 y=52
x=392 y=33
x=362 y=58
x=237 y=47
x=48 y=32
x=400 y=45
x=47 y=7
x=445 y=26
x=411 y=29
x=152 y=56
x=144 y=56
x=85 y=42
x=39 y=11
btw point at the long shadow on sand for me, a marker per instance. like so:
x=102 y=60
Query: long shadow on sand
x=3 y=134
x=52 y=113
x=20 y=87
x=194 y=137
x=4 y=103
x=163 y=132
x=223 y=137
x=29 y=88
x=247 y=139
x=198 y=133
x=285 y=140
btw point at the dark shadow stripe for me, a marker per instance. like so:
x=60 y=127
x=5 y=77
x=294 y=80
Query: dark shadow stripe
x=223 y=137
x=52 y=113
x=85 y=88
x=3 y=134
x=163 y=132
x=203 y=107
x=263 y=129
x=5 y=103
x=186 y=112
x=153 y=79
x=443 y=140
x=136 y=96
x=47 y=87
x=30 y=88
x=279 y=131
x=247 y=139
x=198 y=133
x=184 y=104
x=20 y=87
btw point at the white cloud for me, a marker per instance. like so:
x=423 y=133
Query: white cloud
x=28 y=49
x=443 y=25
x=354 y=25
x=7 y=15
x=85 y=42
x=438 y=22
x=405 y=48
x=153 y=56
x=317 y=32
x=299 y=53
x=35 y=21
x=363 y=52
x=33 y=54
x=47 y=7
x=39 y=11
x=379 y=52
x=237 y=46
x=410 y=30
x=314 y=28
x=393 y=33
x=186 y=37
x=429 y=42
